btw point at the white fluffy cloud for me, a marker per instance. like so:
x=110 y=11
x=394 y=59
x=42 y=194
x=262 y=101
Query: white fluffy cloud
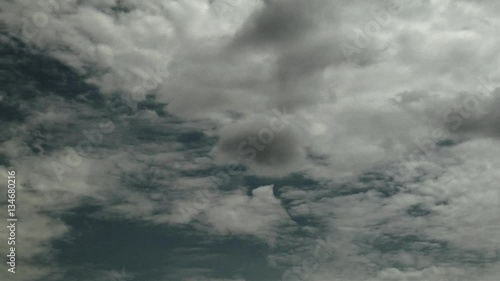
x=259 y=214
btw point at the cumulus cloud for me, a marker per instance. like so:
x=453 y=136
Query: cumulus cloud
x=374 y=122
x=259 y=215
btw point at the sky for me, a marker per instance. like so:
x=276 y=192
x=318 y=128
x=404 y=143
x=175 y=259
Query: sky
x=251 y=140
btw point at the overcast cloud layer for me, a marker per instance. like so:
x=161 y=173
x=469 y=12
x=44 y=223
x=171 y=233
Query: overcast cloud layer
x=241 y=140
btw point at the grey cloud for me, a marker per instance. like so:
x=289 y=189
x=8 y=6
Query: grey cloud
x=220 y=78
x=306 y=59
x=238 y=142
x=278 y=23
x=477 y=116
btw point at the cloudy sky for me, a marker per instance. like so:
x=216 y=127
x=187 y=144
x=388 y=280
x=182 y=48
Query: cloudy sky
x=252 y=140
